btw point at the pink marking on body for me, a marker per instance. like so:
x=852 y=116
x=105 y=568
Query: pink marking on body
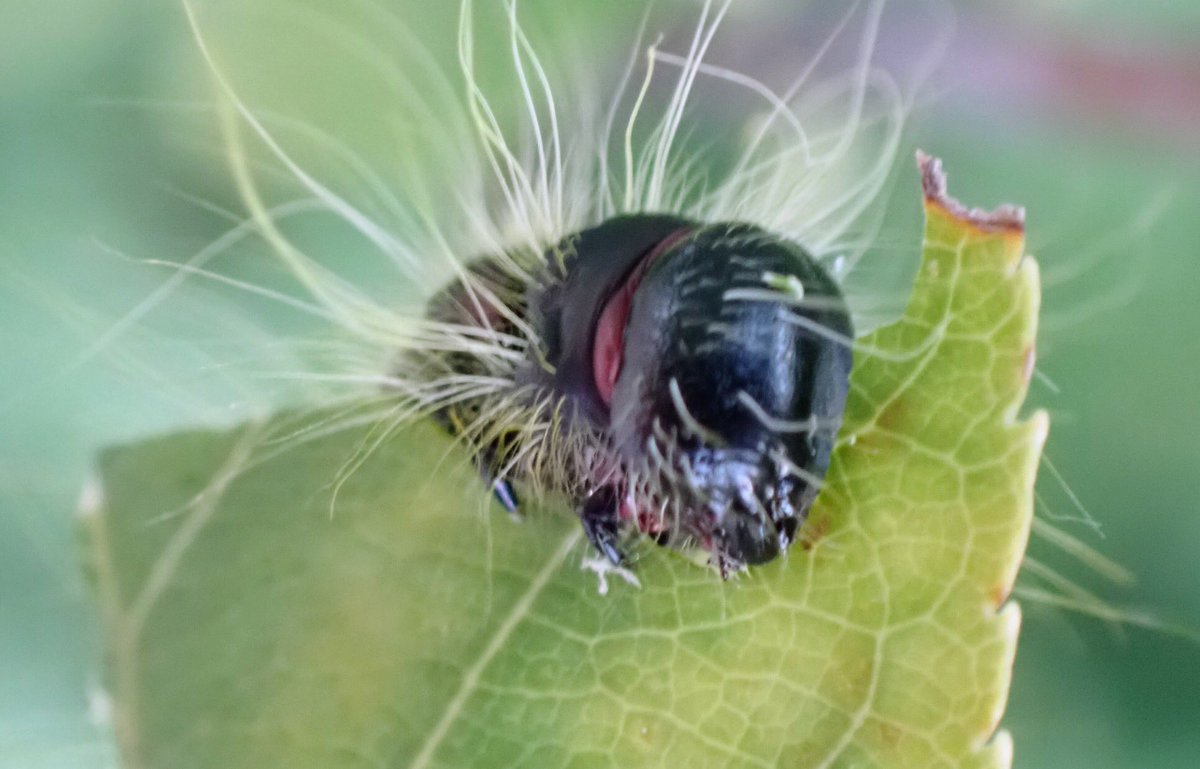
x=649 y=522
x=608 y=342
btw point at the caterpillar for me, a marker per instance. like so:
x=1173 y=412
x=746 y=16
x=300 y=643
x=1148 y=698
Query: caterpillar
x=668 y=348
x=683 y=379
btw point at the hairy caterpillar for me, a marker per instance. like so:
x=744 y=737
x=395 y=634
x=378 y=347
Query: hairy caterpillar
x=683 y=379
x=668 y=347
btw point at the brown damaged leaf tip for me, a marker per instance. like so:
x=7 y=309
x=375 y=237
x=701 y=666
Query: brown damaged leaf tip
x=933 y=183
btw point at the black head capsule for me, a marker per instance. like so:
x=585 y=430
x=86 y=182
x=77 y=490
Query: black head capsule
x=709 y=364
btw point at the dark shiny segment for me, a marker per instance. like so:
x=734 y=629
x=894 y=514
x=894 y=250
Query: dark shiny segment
x=686 y=327
x=566 y=310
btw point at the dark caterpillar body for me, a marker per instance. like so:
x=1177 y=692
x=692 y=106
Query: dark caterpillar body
x=702 y=371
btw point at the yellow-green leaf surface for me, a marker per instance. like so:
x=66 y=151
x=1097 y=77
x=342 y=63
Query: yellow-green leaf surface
x=247 y=627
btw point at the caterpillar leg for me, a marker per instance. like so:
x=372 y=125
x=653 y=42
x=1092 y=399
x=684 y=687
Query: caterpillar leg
x=487 y=462
x=600 y=514
x=502 y=490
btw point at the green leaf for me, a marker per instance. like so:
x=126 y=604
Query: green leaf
x=415 y=627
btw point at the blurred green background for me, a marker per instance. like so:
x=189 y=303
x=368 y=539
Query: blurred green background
x=1085 y=111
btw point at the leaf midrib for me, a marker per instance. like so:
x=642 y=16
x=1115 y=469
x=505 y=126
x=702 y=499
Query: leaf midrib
x=470 y=679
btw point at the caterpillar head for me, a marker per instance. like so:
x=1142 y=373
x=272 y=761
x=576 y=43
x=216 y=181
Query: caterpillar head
x=714 y=360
